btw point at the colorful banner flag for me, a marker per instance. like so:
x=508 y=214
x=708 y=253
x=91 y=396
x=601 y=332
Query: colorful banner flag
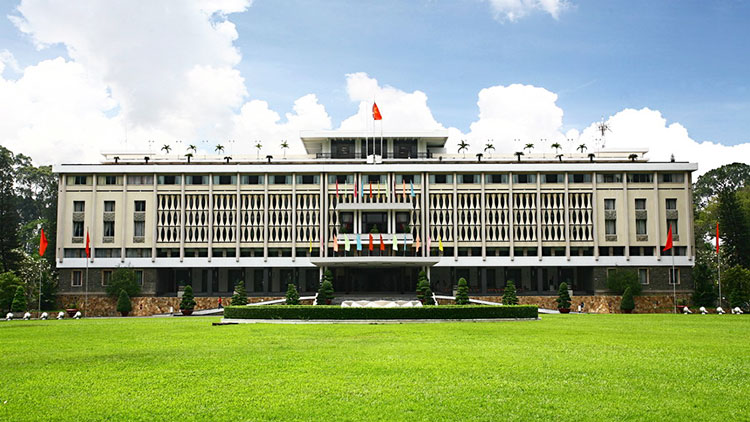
x=440 y=243
x=429 y=242
x=310 y=245
x=370 y=190
x=355 y=186
x=394 y=242
x=412 y=189
x=335 y=244
x=382 y=244
x=359 y=243
x=370 y=245
x=42 y=243
x=337 y=189
x=405 y=248
x=403 y=187
x=418 y=243
x=376 y=112
x=347 y=248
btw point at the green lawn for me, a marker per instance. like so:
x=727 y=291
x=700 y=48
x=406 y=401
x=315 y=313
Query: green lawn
x=564 y=367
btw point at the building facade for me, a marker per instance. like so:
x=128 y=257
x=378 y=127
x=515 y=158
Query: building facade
x=375 y=212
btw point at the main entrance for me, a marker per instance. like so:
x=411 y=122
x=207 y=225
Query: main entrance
x=383 y=279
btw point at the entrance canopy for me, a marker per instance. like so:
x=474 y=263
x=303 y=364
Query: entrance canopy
x=375 y=261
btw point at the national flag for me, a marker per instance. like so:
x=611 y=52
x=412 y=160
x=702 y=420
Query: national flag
x=359 y=243
x=376 y=112
x=42 y=243
x=88 y=247
x=440 y=243
x=335 y=244
x=370 y=190
x=418 y=243
x=412 y=188
x=382 y=244
x=369 y=247
x=717 y=237
x=669 y=240
x=394 y=242
x=347 y=248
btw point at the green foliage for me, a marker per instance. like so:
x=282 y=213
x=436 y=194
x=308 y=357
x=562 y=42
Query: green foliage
x=428 y=299
x=627 y=303
x=734 y=229
x=123 y=278
x=19 y=300
x=337 y=312
x=292 y=295
x=325 y=292
x=123 y=302
x=509 y=294
x=9 y=282
x=188 y=300
x=563 y=298
x=462 y=293
x=736 y=281
x=240 y=295
x=729 y=177
x=328 y=276
x=621 y=279
x=704 y=293
x=422 y=285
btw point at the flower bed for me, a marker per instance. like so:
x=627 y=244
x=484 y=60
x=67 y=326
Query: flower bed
x=339 y=313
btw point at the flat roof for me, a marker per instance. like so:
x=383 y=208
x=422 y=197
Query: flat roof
x=313 y=139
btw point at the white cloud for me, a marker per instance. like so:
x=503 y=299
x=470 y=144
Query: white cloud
x=512 y=10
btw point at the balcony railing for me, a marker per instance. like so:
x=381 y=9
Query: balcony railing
x=386 y=155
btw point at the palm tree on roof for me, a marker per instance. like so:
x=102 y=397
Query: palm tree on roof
x=633 y=157
x=582 y=148
x=219 y=149
x=556 y=146
x=258 y=146
x=529 y=147
x=193 y=148
x=463 y=146
x=284 y=146
x=189 y=155
x=519 y=154
x=166 y=148
x=559 y=157
x=489 y=146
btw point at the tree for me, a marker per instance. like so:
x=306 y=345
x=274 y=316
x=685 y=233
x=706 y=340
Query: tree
x=734 y=229
x=9 y=216
x=240 y=295
x=592 y=156
x=529 y=147
x=729 y=177
x=123 y=303
x=422 y=285
x=556 y=146
x=123 y=278
x=627 y=303
x=292 y=295
x=619 y=280
x=509 y=294
x=736 y=281
x=192 y=147
x=189 y=155
x=462 y=293
x=704 y=293
x=559 y=157
x=166 y=148
x=325 y=292
x=563 y=297
x=518 y=155
x=428 y=299
x=463 y=146
x=258 y=146
x=582 y=148
x=284 y=146
x=19 y=301
x=9 y=283
x=489 y=147
x=633 y=157
x=188 y=300
x=219 y=149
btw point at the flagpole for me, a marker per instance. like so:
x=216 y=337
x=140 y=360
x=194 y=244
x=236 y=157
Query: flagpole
x=674 y=283
x=718 y=267
x=86 y=288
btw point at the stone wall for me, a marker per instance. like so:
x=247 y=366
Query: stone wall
x=145 y=305
x=598 y=304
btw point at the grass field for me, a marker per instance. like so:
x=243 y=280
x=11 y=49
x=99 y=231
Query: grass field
x=564 y=367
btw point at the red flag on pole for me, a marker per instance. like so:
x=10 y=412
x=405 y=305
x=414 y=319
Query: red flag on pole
x=88 y=248
x=382 y=244
x=42 y=243
x=717 y=237
x=370 y=246
x=370 y=190
x=355 y=189
x=669 y=240
x=376 y=112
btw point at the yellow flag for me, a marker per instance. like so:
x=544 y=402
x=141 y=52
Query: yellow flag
x=310 y=244
x=440 y=243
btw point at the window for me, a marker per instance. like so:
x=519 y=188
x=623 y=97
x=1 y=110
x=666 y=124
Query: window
x=609 y=178
x=643 y=275
x=408 y=178
x=402 y=222
x=169 y=180
x=138 y=253
x=74 y=253
x=640 y=203
x=109 y=229
x=308 y=179
x=107 y=253
x=405 y=148
x=672 y=177
x=674 y=276
x=610 y=227
x=225 y=179
x=79 y=206
x=640 y=178
x=109 y=180
x=672 y=222
x=524 y=178
x=78 y=180
x=579 y=178
x=194 y=179
x=468 y=178
x=497 y=178
x=109 y=206
x=609 y=204
x=139 y=228
x=139 y=277
x=78 y=229
x=552 y=178
x=279 y=179
x=343 y=179
x=671 y=203
x=640 y=226
x=347 y=222
x=140 y=206
x=140 y=179
x=441 y=178
x=106 y=277
x=76 y=278
x=342 y=148
x=252 y=179
x=611 y=272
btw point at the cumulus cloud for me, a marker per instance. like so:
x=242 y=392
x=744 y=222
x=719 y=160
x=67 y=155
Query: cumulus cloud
x=512 y=10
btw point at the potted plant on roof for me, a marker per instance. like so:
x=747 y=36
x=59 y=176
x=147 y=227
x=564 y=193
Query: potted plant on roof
x=188 y=302
x=563 y=299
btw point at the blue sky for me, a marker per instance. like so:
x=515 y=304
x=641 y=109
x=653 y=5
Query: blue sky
x=686 y=59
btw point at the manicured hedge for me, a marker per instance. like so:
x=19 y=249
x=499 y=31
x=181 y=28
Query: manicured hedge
x=337 y=312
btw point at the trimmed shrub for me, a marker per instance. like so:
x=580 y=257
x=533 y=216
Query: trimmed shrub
x=292 y=296
x=9 y=282
x=621 y=279
x=428 y=300
x=240 y=295
x=627 y=303
x=188 y=301
x=462 y=293
x=339 y=313
x=123 y=279
x=422 y=285
x=509 y=294
x=563 y=298
x=19 y=301
x=325 y=292
x=123 y=302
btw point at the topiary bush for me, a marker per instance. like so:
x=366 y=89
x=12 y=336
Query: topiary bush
x=292 y=295
x=428 y=299
x=19 y=301
x=627 y=304
x=9 y=282
x=188 y=300
x=563 y=298
x=509 y=294
x=240 y=295
x=422 y=285
x=621 y=279
x=123 y=303
x=123 y=279
x=325 y=292
x=462 y=293
x=339 y=313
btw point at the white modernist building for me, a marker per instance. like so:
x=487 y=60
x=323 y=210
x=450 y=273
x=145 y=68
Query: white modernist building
x=375 y=212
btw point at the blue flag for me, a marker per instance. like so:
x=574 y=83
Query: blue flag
x=412 y=188
x=359 y=243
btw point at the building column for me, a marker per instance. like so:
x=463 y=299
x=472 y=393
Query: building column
x=210 y=281
x=539 y=280
x=294 y=217
x=323 y=218
x=658 y=217
x=125 y=214
x=93 y=218
x=626 y=208
x=265 y=217
x=511 y=230
x=539 y=216
x=238 y=220
x=566 y=216
x=483 y=228
x=182 y=217
x=483 y=280
x=595 y=216
x=210 y=216
x=62 y=201
x=426 y=215
x=455 y=216
x=690 y=251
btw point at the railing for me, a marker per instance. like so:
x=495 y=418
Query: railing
x=362 y=156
